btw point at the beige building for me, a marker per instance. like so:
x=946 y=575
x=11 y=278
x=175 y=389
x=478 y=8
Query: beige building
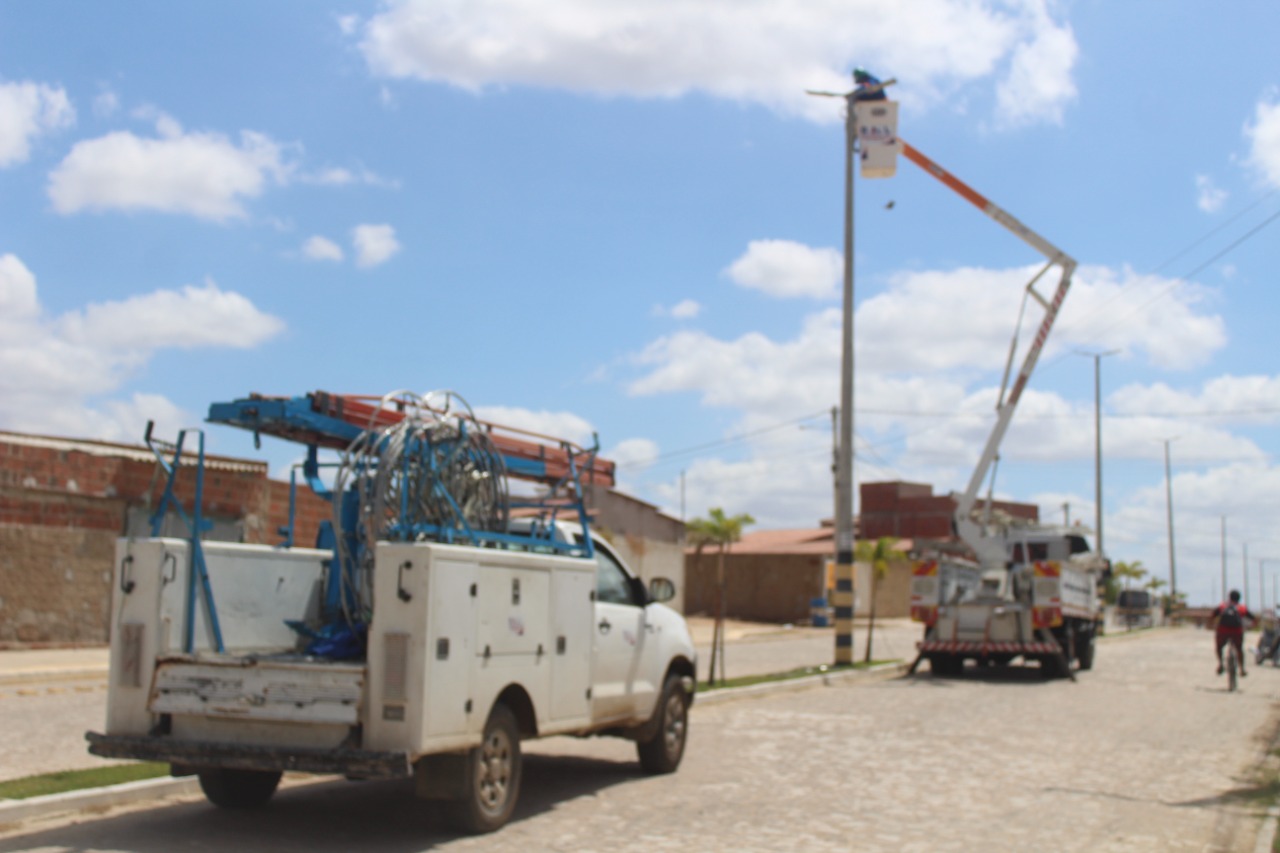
x=775 y=575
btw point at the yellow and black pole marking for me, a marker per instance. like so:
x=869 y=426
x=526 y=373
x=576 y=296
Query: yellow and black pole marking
x=842 y=603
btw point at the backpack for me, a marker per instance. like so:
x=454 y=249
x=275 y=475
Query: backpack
x=1230 y=617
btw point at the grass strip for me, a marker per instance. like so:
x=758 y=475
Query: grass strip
x=75 y=780
x=789 y=675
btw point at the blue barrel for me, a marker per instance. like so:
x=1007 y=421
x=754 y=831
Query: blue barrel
x=818 y=617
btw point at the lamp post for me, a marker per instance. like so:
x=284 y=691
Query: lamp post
x=842 y=600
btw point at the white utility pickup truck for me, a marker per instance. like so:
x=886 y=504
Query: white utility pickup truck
x=469 y=651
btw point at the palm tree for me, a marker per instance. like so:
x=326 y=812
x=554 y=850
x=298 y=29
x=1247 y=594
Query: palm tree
x=1131 y=571
x=723 y=531
x=880 y=554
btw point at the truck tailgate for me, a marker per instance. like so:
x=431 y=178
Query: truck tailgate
x=288 y=690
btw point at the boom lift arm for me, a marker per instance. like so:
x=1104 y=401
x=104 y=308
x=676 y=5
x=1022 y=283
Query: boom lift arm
x=991 y=552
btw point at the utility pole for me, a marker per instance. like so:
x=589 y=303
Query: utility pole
x=1097 y=443
x=842 y=599
x=1168 y=500
x=1224 y=558
x=682 y=496
x=1246 y=575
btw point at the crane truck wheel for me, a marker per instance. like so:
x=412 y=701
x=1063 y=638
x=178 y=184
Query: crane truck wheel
x=238 y=789
x=946 y=666
x=1084 y=651
x=491 y=777
x=662 y=752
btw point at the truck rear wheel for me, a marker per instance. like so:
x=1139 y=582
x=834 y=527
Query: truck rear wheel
x=662 y=752
x=238 y=789
x=491 y=778
x=1084 y=651
x=946 y=666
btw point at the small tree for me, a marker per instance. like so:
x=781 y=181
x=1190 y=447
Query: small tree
x=1128 y=572
x=722 y=531
x=880 y=554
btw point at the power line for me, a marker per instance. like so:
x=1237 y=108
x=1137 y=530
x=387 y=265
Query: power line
x=728 y=440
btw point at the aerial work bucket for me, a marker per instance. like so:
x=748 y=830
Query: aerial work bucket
x=877 y=123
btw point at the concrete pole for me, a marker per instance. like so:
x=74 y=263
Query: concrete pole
x=1097 y=446
x=1168 y=497
x=1224 y=558
x=842 y=600
x=1246 y=575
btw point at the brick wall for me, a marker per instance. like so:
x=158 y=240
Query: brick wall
x=56 y=553
x=63 y=504
x=758 y=587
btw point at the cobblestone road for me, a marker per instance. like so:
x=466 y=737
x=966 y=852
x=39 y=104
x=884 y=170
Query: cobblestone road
x=1147 y=753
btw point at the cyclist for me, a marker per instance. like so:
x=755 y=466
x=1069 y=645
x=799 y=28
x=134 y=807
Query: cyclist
x=1228 y=625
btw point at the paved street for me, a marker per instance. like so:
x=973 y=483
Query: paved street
x=42 y=723
x=1146 y=752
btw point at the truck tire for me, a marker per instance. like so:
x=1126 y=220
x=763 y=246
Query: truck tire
x=1084 y=651
x=1054 y=666
x=946 y=666
x=491 y=777
x=238 y=789
x=662 y=752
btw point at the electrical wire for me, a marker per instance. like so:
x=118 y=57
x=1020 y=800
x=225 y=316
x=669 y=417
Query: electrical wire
x=435 y=473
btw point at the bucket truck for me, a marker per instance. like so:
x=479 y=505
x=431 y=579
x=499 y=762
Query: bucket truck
x=1033 y=594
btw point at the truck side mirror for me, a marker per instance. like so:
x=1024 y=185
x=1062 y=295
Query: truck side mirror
x=662 y=589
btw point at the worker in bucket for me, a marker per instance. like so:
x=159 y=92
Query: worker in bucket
x=1228 y=625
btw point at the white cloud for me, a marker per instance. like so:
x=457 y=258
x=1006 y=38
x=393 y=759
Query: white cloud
x=1235 y=399
x=106 y=103
x=200 y=174
x=204 y=316
x=1104 y=308
x=1264 y=139
x=27 y=111
x=319 y=248
x=1243 y=493
x=685 y=309
x=375 y=244
x=633 y=454
x=560 y=425
x=1209 y=197
x=337 y=176
x=1039 y=83
x=787 y=269
x=348 y=24
x=927 y=384
x=767 y=56
x=53 y=369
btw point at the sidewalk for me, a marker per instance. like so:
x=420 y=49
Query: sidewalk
x=26 y=665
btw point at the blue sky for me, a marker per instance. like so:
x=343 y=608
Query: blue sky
x=626 y=218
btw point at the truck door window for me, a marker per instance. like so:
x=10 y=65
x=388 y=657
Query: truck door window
x=613 y=584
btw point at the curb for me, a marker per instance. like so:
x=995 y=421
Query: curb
x=45 y=675
x=879 y=672
x=14 y=811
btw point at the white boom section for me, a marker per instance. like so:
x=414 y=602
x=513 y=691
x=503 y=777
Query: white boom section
x=992 y=552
